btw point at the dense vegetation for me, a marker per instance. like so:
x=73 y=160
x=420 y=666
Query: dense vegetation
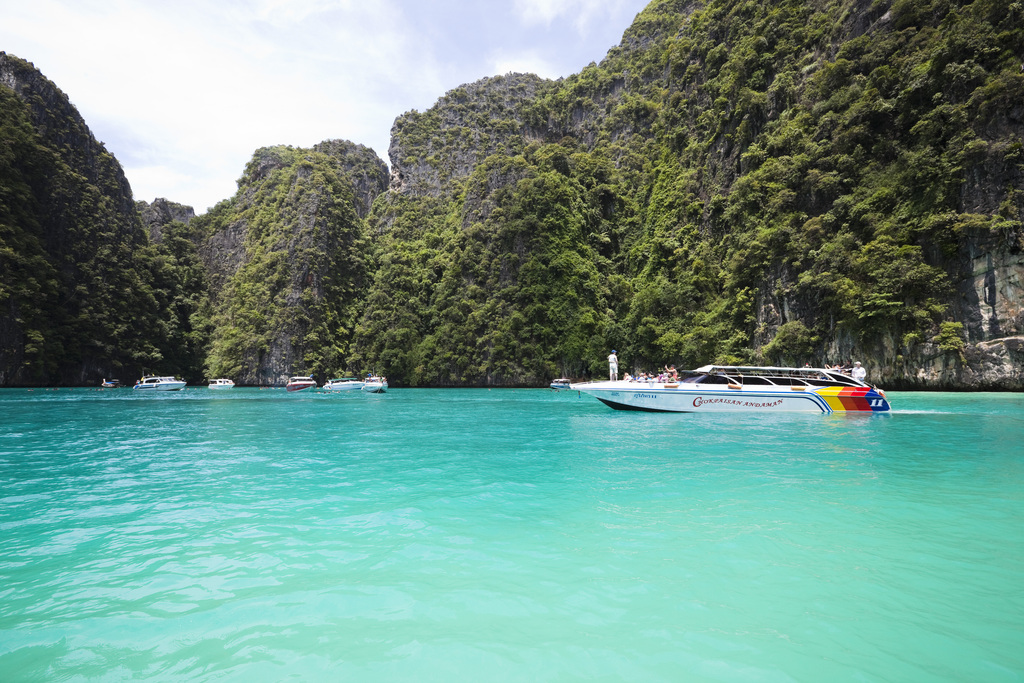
x=289 y=303
x=736 y=182
x=82 y=292
x=506 y=291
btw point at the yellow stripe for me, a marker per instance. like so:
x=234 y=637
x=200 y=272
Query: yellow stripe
x=831 y=396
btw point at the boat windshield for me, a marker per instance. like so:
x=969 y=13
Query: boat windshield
x=709 y=379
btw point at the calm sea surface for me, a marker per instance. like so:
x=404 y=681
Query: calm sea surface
x=505 y=535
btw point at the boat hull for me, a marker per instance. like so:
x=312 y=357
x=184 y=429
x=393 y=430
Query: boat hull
x=697 y=398
x=154 y=383
x=300 y=383
x=343 y=386
x=375 y=387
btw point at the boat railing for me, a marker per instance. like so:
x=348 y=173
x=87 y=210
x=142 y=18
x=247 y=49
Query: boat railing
x=799 y=377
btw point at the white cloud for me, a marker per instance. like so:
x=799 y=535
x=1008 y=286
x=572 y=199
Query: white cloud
x=581 y=13
x=295 y=11
x=184 y=92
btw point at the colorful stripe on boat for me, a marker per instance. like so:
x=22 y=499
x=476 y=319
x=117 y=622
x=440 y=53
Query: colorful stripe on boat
x=853 y=399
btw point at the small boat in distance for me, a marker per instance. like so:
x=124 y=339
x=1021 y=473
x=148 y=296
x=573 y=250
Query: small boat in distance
x=300 y=383
x=154 y=383
x=559 y=384
x=343 y=384
x=375 y=385
x=222 y=384
x=110 y=383
x=719 y=388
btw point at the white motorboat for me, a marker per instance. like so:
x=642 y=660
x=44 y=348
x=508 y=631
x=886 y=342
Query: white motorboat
x=375 y=385
x=560 y=384
x=300 y=383
x=222 y=384
x=154 y=383
x=343 y=384
x=718 y=388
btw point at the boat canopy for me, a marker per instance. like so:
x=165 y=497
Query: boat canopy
x=761 y=370
x=775 y=374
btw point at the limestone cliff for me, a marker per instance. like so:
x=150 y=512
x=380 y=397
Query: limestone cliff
x=75 y=297
x=790 y=184
x=285 y=258
x=430 y=150
x=734 y=182
x=162 y=212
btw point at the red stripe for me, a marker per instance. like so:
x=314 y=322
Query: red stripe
x=853 y=399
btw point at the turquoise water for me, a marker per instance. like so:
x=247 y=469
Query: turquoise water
x=505 y=535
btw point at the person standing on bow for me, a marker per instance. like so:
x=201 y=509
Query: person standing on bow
x=613 y=366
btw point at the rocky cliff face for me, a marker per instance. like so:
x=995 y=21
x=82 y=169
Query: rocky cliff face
x=719 y=118
x=366 y=172
x=431 y=149
x=61 y=128
x=161 y=212
x=76 y=305
x=990 y=303
x=733 y=182
x=285 y=259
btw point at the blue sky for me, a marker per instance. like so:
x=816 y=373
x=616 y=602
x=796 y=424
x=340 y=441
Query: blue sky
x=182 y=92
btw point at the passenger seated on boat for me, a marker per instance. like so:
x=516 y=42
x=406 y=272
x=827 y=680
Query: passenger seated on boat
x=627 y=377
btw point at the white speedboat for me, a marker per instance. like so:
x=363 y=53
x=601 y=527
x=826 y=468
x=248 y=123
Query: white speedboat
x=221 y=384
x=300 y=383
x=154 y=383
x=559 y=384
x=343 y=384
x=110 y=383
x=375 y=385
x=719 y=388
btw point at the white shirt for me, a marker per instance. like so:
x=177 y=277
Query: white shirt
x=859 y=373
x=613 y=360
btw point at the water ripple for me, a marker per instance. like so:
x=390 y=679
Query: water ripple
x=510 y=535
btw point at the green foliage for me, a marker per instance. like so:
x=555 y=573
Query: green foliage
x=504 y=288
x=794 y=344
x=735 y=182
x=951 y=337
x=295 y=297
x=76 y=272
x=29 y=284
x=726 y=158
x=180 y=287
